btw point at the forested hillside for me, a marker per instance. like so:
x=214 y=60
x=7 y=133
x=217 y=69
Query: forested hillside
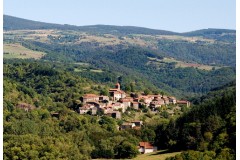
x=133 y=63
x=217 y=34
x=200 y=60
x=38 y=134
x=209 y=128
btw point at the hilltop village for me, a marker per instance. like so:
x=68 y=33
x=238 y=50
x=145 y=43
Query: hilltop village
x=119 y=102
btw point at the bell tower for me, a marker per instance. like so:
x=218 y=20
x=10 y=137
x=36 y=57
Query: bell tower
x=117 y=86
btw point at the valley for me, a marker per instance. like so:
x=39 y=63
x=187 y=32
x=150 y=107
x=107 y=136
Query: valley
x=117 y=92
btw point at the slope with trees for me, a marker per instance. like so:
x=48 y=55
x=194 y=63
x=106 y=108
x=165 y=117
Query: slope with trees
x=209 y=129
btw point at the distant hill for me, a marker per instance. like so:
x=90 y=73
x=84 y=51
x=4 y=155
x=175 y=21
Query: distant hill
x=218 y=34
x=209 y=31
x=14 y=23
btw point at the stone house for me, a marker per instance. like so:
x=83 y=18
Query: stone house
x=156 y=104
x=103 y=99
x=135 y=105
x=172 y=100
x=146 y=147
x=115 y=114
x=138 y=123
x=184 y=102
x=116 y=93
x=90 y=98
x=117 y=106
x=126 y=101
x=127 y=126
x=166 y=100
x=84 y=110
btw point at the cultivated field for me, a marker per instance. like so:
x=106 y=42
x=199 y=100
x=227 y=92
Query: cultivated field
x=182 y=64
x=19 y=51
x=102 y=40
x=185 y=64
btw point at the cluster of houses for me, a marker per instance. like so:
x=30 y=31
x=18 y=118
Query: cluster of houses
x=118 y=102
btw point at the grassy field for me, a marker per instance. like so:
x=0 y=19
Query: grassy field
x=103 y=40
x=185 y=64
x=82 y=64
x=77 y=70
x=182 y=64
x=96 y=70
x=159 y=155
x=18 y=51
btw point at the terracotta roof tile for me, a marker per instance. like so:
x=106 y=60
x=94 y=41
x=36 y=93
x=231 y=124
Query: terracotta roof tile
x=146 y=145
x=90 y=95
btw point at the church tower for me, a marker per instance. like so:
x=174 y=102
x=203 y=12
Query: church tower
x=117 y=86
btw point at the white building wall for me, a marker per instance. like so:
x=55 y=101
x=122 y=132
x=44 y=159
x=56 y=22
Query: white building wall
x=141 y=150
x=123 y=95
x=83 y=111
x=127 y=104
x=149 y=150
x=117 y=96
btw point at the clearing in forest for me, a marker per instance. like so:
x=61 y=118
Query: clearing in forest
x=18 y=51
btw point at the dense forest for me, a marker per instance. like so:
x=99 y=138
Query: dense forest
x=200 y=52
x=208 y=127
x=133 y=63
x=36 y=134
x=55 y=87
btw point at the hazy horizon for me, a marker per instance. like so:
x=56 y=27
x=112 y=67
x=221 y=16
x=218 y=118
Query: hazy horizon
x=175 y=16
x=118 y=25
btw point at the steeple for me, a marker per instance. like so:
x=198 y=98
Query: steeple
x=117 y=86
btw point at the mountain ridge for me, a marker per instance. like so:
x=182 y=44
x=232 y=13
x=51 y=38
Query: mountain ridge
x=9 y=20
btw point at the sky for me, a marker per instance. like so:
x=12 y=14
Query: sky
x=171 y=15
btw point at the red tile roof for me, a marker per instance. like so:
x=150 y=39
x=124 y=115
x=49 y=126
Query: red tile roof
x=154 y=95
x=182 y=102
x=126 y=100
x=90 y=95
x=146 y=145
x=134 y=102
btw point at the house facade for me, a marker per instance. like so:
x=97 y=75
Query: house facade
x=116 y=93
x=135 y=105
x=184 y=102
x=90 y=98
x=115 y=114
x=146 y=147
x=127 y=126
